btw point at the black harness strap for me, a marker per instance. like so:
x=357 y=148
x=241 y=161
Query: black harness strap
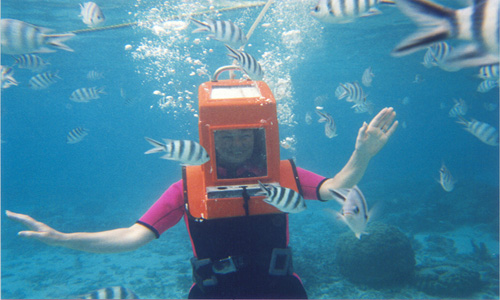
x=246 y=198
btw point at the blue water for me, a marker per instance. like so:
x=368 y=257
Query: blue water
x=106 y=182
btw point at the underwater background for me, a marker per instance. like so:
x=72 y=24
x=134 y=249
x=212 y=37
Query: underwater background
x=151 y=69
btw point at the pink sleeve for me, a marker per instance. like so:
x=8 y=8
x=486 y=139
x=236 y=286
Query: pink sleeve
x=310 y=183
x=167 y=210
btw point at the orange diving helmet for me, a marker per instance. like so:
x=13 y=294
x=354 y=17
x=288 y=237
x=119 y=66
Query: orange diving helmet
x=224 y=106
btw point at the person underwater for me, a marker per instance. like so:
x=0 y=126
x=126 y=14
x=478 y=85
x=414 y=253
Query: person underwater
x=236 y=256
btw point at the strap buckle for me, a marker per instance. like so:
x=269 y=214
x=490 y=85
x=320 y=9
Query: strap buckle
x=224 y=266
x=201 y=272
x=281 y=262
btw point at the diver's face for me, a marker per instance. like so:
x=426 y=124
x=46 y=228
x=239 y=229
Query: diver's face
x=234 y=147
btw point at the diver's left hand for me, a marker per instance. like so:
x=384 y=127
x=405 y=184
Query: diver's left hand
x=373 y=137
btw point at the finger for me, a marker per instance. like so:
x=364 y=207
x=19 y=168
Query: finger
x=40 y=236
x=387 y=122
x=377 y=120
x=389 y=118
x=392 y=129
x=23 y=219
x=363 y=128
x=27 y=234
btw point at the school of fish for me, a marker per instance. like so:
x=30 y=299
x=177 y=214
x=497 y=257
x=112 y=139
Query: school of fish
x=475 y=25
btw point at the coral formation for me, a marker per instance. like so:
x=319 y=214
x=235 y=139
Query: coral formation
x=440 y=245
x=448 y=280
x=384 y=257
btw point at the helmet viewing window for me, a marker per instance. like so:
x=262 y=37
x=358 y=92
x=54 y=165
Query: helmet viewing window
x=240 y=153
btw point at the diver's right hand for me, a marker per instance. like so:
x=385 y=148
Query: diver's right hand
x=38 y=230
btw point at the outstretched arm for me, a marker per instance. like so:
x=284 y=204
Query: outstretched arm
x=111 y=241
x=371 y=139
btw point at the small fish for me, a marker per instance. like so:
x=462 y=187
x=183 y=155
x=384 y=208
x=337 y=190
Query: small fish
x=308 y=118
x=446 y=179
x=367 y=77
x=354 y=92
x=31 y=62
x=418 y=79
x=248 y=63
x=429 y=60
x=460 y=108
x=487 y=85
x=483 y=131
x=489 y=72
x=354 y=211
x=224 y=31
x=477 y=24
x=406 y=100
x=76 y=135
x=330 y=126
x=437 y=55
x=91 y=14
x=341 y=92
x=7 y=78
x=18 y=37
x=86 y=94
x=345 y=11
x=284 y=199
x=363 y=107
x=114 y=292
x=185 y=151
x=127 y=100
x=43 y=80
x=490 y=106
x=94 y=75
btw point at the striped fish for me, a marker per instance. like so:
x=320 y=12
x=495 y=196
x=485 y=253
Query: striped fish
x=76 y=135
x=284 y=199
x=94 y=75
x=483 y=131
x=330 y=126
x=367 y=77
x=224 y=31
x=489 y=72
x=114 y=292
x=344 y=11
x=308 y=118
x=354 y=211
x=429 y=60
x=43 y=80
x=478 y=24
x=185 y=151
x=459 y=109
x=18 y=37
x=446 y=179
x=7 y=78
x=354 y=92
x=340 y=92
x=31 y=62
x=363 y=107
x=248 y=63
x=86 y=94
x=91 y=14
x=436 y=56
x=490 y=106
x=487 y=85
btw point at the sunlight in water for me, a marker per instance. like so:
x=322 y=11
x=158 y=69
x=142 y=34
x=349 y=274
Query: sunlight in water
x=169 y=51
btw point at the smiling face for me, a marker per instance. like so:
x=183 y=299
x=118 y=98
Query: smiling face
x=234 y=147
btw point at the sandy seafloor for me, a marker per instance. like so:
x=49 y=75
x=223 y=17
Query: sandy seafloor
x=162 y=270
